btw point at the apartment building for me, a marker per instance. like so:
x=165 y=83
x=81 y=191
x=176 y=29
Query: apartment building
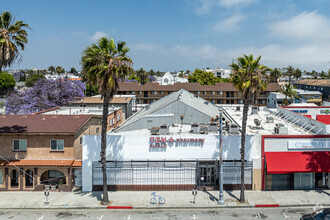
x=220 y=93
x=38 y=150
x=321 y=85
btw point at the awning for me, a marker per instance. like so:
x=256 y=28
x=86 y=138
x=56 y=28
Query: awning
x=298 y=162
x=37 y=162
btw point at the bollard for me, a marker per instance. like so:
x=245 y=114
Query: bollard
x=46 y=193
x=194 y=192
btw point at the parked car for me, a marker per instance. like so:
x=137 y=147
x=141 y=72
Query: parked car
x=323 y=214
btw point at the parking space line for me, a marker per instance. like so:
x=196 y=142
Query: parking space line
x=285 y=216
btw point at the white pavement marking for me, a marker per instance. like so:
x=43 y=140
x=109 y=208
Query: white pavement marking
x=285 y=216
x=100 y=218
x=194 y=218
x=258 y=215
x=42 y=217
x=129 y=217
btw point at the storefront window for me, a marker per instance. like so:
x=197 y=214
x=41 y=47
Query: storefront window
x=1 y=178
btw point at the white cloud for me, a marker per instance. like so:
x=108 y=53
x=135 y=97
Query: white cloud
x=204 y=6
x=229 y=24
x=233 y=3
x=204 y=52
x=98 y=35
x=307 y=26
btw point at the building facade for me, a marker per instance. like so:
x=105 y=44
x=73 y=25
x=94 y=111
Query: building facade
x=321 y=85
x=220 y=93
x=38 y=150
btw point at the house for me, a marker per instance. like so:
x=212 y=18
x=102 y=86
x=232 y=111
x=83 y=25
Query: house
x=123 y=102
x=321 y=85
x=305 y=96
x=43 y=149
x=169 y=79
x=220 y=93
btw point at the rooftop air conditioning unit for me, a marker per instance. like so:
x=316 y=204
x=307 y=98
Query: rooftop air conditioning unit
x=203 y=129
x=164 y=129
x=238 y=108
x=269 y=119
x=154 y=131
x=195 y=128
x=281 y=130
x=213 y=127
x=279 y=125
x=255 y=110
x=232 y=128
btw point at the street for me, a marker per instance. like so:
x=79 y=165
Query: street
x=189 y=214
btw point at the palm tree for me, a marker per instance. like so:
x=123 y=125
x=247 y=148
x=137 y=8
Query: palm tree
x=288 y=91
x=103 y=64
x=12 y=36
x=142 y=74
x=275 y=74
x=51 y=69
x=248 y=77
x=289 y=72
x=59 y=70
x=297 y=73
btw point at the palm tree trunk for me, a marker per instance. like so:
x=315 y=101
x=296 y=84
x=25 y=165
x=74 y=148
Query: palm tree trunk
x=106 y=97
x=245 y=115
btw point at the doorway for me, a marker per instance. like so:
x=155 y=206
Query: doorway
x=207 y=174
x=29 y=179
x=321 y=180
x=14 y=179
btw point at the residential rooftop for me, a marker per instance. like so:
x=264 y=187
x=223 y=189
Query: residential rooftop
x=314 y=82
x=77 y=110
x=98 y=100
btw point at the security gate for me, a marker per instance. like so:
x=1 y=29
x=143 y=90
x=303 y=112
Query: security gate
x=146 y=175
x=170 y=175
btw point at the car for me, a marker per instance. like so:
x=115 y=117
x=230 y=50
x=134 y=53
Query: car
x=322 y=214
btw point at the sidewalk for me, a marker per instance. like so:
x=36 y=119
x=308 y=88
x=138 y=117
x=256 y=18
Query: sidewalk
x=174 y=199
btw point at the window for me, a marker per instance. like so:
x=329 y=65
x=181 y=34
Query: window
x=80 y=140
x=139 y=92
x=97 y=130
x=199 y=92
x=213 y=93
x=161 y=92
x=19 y=145
x=54 y=174
x=57 y=145
x=316 y=96
x=213 y=101
x=154 y=93
x=204 y=93
x=219 y=93
x=1 y=178
x=133 y=93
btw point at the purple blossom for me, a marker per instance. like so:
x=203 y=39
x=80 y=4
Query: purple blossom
x=17 y=76
x=45 y=94
x=152 y=78
x=130 y=80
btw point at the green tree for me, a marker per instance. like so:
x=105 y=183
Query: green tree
x=51 y=69
x=13 y=35
x=59 y=70
x=297 y=73
x=248 y=78
x=73 y=70
x=151 y=73
x=7 y=83
x=203 y=77
x=288 y=91
x=181 y=74
x=142 y=75
x=274 y=75
x=32 y=79
x=103 y=64
x=289 y=72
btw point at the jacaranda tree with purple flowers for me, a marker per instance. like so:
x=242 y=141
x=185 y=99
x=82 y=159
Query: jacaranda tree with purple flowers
x=45 y=94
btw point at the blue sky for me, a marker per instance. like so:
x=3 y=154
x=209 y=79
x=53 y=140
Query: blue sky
x=173 y=35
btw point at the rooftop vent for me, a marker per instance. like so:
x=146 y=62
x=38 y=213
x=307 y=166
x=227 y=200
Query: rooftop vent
x=204 y=129
x=279 y=125
x=238 y=108
x=195 y=128
x=213 y=127
x=154 y=130
x=269 y=119
x=281 y=130
x=255 y=110
x=164 y=129
x=232 y=128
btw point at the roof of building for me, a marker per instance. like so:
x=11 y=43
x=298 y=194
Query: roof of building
x=42 y=123
x=183 y=96
x=98 y=100
x=305 y=92
x=278 y=95
x=314 y=82
x=39 y=162
x=77 y=110
x=134 y=86
x=323 y=118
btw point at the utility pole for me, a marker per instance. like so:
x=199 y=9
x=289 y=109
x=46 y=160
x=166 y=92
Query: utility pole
x=221 y=200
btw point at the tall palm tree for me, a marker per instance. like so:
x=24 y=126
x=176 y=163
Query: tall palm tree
x=103 y=64
x=297 y=73
x=288 y=91
x=248 y=76
x=275 y=74
x=59 y=70
x=12 y=36
x=289 y=72
x=51 y=69
x=142 y=74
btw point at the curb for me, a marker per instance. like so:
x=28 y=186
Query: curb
x=119 y=207
x=266 y=205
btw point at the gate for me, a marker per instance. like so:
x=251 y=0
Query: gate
x=146 y=175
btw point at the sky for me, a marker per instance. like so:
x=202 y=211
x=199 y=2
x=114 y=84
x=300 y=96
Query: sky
x=174 y=35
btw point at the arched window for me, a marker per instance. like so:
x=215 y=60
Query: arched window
x=14 y=178
x=29 y=178
x=52 y=177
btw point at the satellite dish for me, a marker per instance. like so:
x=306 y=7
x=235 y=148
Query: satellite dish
x=257 y=122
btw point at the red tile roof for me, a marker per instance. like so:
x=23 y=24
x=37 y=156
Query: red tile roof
x=77 y=163
x=42 y=123
x=124 y=86
x=37 y=162
x=98 y=100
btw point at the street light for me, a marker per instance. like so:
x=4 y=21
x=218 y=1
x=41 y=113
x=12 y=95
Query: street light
x=221 y=200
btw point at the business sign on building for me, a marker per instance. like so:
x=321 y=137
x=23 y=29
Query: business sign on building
x=294 y=145
x=161 y=143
